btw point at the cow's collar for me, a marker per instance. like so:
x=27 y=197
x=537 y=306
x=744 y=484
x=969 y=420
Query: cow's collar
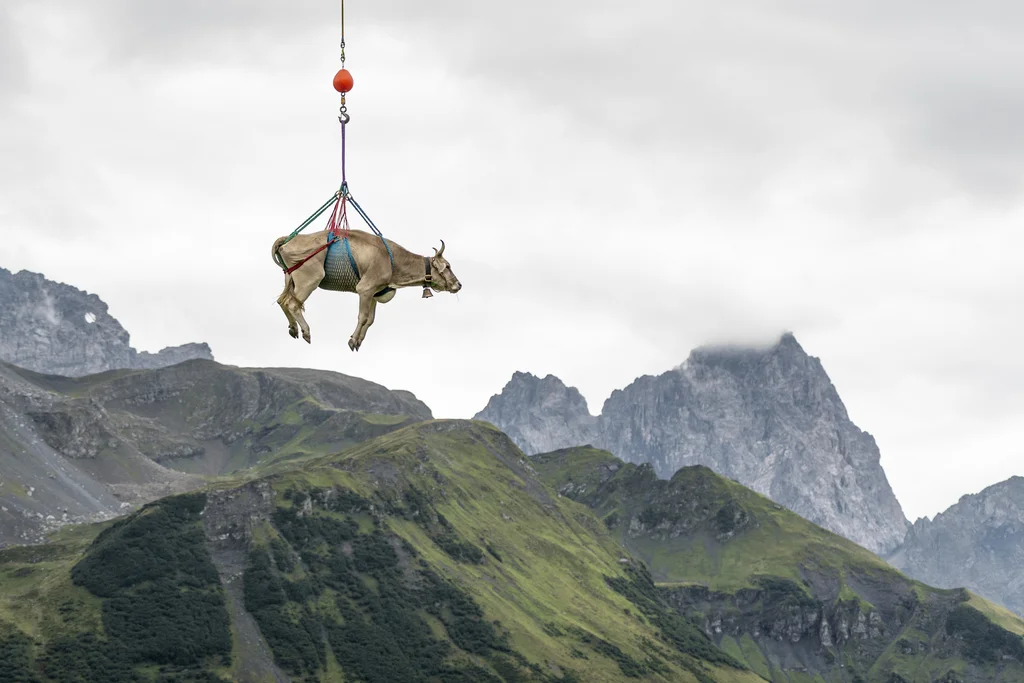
x=426 y=278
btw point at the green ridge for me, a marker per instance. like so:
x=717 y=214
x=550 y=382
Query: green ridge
x=438 y=552
x=724 y=553
x=431 y=553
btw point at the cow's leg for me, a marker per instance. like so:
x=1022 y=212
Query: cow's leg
x=366 y=325
x=282 y=301
x=312 y=273
x=367 y=305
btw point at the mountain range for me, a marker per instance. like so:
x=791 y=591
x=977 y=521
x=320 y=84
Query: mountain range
x=769 y=418
x=201 y=522
x=440 y=552
x=89 y=448
x=979 y=542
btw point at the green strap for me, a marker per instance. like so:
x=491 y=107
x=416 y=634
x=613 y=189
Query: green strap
x=316 y=214
x=305 y=224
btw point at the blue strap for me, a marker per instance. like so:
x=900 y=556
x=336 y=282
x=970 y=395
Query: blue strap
x=351 y=261
x=374 y=228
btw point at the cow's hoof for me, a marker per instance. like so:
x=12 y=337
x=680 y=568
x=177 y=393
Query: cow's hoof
x=352 y=344
x=305 y=335
x=293 y=333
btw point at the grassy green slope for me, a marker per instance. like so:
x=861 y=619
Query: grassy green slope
x=733 y=534
x=432 y=553
x=533 y=562
x=764 y=579
x=124 y=602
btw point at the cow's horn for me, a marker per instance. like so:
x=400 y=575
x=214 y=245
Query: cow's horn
x=439 y=253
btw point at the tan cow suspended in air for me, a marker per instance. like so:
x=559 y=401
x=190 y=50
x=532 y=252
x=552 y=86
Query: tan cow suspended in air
x=360 y=263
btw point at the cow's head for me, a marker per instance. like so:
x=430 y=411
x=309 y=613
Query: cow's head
x=442 y=277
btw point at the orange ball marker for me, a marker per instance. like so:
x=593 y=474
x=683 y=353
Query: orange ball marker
x=343 y=81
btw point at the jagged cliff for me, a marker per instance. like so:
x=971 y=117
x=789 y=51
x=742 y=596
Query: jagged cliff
x=79 y=449
x=56 y=329
x=556 y=415
x=978 y=543
x=769 y=418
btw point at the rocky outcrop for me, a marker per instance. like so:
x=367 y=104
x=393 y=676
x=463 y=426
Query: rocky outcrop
x=795 y=631
x=51 y=472
x=540 y=415
x=769 y=418
x=977 y=543
x=90 y=448
x=229 y=520
x=56 y=329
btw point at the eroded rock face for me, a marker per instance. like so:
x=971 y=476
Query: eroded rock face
x=91 y=448
x=799 y=632
x=977 y=543
x=56 y=329
x=769 y=418
x=49 y=474
x=540 y=415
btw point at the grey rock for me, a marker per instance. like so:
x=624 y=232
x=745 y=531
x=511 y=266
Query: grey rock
x=540 y=415
x=56 y=329
x=768 y=418
x=819 y=636
x=99 y=445
x=977 y=543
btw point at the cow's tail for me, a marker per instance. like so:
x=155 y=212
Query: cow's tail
x=278 y=243
x=289 y=284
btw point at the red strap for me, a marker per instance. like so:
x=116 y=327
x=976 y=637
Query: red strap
x=303 y=261
x=334 y=227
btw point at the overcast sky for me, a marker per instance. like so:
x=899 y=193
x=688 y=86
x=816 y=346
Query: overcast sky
x=617 y=183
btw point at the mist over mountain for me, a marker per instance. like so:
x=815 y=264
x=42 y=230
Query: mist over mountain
x=769 y=418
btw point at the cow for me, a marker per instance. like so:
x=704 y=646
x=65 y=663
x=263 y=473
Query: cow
x=366 y=266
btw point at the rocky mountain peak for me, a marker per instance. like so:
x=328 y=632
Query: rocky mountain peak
x=540 y=413
x=977 y=543
x=758 y=365
x=57 y=329
x=767 y=416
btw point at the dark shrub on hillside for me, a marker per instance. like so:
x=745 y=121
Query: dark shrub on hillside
x=674 y=629
x=163 y=602
x=373 y=618
x=15 y=659
x=162 y=540
x=297 y=644
x=190 y=677
x=983 y=640
x=87 y=659
x=461 y=551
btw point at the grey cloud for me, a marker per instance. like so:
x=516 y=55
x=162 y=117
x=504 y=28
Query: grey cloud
x=935 y=84
x=13 y=65
x=617 y=183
